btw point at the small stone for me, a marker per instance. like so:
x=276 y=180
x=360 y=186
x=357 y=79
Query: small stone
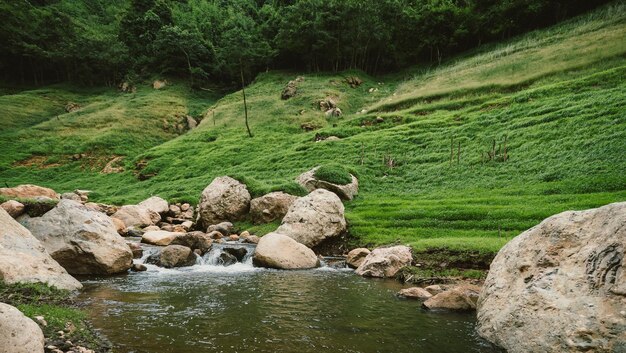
x=233 y=237
x=415 y=293
x=138 y=267
x=244 y=234
x=185 y=207
x=40 y=320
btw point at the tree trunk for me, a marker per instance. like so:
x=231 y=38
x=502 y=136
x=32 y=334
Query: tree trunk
x=245 y=105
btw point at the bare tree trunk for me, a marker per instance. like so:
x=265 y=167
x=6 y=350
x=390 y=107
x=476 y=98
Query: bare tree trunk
x=245 y=105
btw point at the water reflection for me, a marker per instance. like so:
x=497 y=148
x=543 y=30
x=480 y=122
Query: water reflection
x=198 y=310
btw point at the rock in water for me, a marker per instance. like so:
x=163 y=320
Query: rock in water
x=24 y=260
x=461 y=298
x=177 y=256
x=225 y=199
x=160 y=237
x=19 y=334
x=270 y=207
x=155 y=204
x=194 y=240
x=81 y=240
x=345 y=192
x=280 y=251
x=29 y=191
x=314 y=218
x=356 y=257
x=415 y=293
x=385 y=262
x=560 y=286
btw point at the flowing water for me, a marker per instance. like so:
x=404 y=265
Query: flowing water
x=213 y=308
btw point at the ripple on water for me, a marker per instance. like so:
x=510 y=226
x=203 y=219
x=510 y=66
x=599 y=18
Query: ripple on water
x=248 y=309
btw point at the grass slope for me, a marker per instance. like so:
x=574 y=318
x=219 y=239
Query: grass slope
x=555 y=98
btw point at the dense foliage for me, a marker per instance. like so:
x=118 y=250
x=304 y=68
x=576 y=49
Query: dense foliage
x=106 y=41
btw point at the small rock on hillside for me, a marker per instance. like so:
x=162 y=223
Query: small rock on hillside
x=81 y=240
x=160 y=237
x=29 y=191
x=560 y=286
x=356 y=257
x=385 y=262
x=18 y=333
x=24 y=260
x=270 y=207
x=313 y=218
x=136 y=216
x=415 y=293
x=460 y=298
x=225 y=199
x=280 y=251
x=13 y=208
x=155 y=204
x=345 y=192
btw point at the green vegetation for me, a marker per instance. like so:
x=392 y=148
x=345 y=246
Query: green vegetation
x=107 y=41
x=463 y=157
x=58 y=310
x=333 y=173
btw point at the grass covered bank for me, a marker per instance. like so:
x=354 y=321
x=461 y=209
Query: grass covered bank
x=463 y=157
x=63 y=320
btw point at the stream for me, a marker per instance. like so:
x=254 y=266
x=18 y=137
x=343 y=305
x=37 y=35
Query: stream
x=239 y=308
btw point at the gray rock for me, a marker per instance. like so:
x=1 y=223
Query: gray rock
x=460 y=298
x=24 y=260
x=177 y=256
x=136 y=216
x=270 y=207
x=195 y=241
x=282 y=252
x=385 y=261
x=155 y=204
x=560 y=286
x=19 y=334
x=81 y=240
x=224 y=228
x=313 y=218
x=356 y=257
x=225 y=199
x=345 y=192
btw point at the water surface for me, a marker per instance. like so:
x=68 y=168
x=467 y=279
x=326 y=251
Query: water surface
x=207 y=308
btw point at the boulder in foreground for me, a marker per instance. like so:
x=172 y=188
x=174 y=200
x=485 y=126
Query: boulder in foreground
x=560 y=286
x=24 y=260
x=19 y=334
x=81 y=240
x=385 y=262
x=280 y=251
x=173 y=256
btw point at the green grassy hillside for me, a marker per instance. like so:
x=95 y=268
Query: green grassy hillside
x=554 y=100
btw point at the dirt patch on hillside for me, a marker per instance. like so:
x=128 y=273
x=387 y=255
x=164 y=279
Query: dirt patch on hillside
x=36 y=161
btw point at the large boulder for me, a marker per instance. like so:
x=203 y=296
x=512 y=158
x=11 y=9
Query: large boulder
x=155 y=204
x=345 y=192
x=560 y=286
x=174 y=256
x=81 y=240
x=160 y=237
x=313 y=218
x=355 y=257
x=461 y=298
x=225 y=199
x=29 y=191
x=13 y=208
x=19 y=334
x=136 y=216
x=270 y=207
x=385 y=262
x=282 y=252
x=24 y=260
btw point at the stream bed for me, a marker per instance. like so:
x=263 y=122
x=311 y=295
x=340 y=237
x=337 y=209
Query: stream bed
x=207 y=308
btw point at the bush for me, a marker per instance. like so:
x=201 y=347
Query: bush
x=333 y=173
